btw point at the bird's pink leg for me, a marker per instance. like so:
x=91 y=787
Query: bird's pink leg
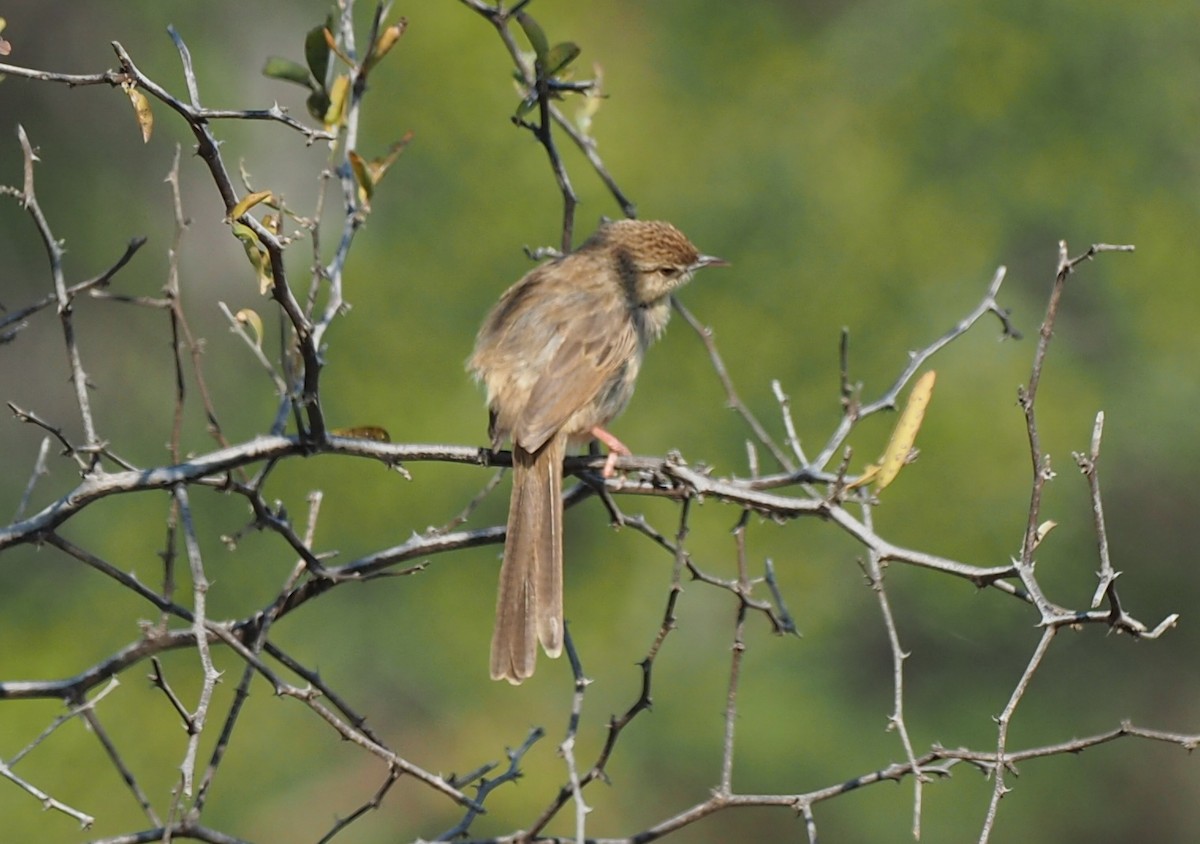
x=616 y=449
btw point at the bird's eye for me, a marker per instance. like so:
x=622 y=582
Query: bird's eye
x=669 y=272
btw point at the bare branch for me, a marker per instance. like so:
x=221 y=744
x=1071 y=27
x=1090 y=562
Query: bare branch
x=856 y=413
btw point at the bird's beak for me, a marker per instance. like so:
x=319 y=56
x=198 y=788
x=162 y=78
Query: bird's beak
x=709 y=261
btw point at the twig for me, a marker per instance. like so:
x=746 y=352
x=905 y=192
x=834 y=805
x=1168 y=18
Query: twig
x=588 y=147
x=487 y=786
x=88 y=714
x=567 y=747
x=789 y=425
x=209 y=151
x=1089 y=465
x=738 y=652
x=54 y=252
x=786 y=624
x=733 y=400
x=91 y=286
x=1027 y=396
x=854 y=412
x=874 y=570
x=48 y=802
x=465 y=514
x=1003 y=762
x=393 y=776
x=68 y=447
x=39 y=471
x=197 y=720
x=181 y=332
x=537 y=81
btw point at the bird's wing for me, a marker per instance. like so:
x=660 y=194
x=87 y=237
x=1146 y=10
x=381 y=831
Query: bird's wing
x=590 y=346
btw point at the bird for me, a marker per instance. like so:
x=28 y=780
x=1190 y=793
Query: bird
x=559 y=354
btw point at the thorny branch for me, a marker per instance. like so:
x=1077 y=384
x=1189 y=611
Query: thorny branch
x=54 y=252
x=874 y=571
x=544 y=88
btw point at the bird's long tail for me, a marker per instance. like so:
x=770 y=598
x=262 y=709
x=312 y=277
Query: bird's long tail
x=529 y=603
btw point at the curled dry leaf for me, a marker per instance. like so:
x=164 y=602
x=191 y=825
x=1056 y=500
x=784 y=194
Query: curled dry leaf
x=368 y=174
x=364 y=432
x=141 y=110
x=246 y=316
x=905 y=434
x=363 y=176
x=387 y=40
x=332 y=44
x=247 y=202
x=1042 y=531
x=257 y=255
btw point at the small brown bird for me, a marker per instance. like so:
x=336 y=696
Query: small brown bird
x=559 y=354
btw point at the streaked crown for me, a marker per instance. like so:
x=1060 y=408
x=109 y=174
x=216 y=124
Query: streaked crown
x=649 y=243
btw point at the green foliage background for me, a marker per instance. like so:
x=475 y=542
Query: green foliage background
x=862 y=164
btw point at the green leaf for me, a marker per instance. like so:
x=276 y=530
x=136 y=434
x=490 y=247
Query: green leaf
x=559 y=56
x=316 y=52
x=525 y=106
x=537 y=38
x=257 y=255
x=287 y=70
x=318 y=104
x=247 y=236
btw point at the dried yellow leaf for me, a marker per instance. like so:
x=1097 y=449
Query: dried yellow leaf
x=1042 y=530
x=364 y=432
x=141 y=110
x=251 y=318
x=868 y=475
x=363 y=176
x=247 y=202
x=338 y=95
x=387 y=40
x=905 y=433
x=379 y=166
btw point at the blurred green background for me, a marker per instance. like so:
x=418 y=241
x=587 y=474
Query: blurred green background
x=861 y=164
